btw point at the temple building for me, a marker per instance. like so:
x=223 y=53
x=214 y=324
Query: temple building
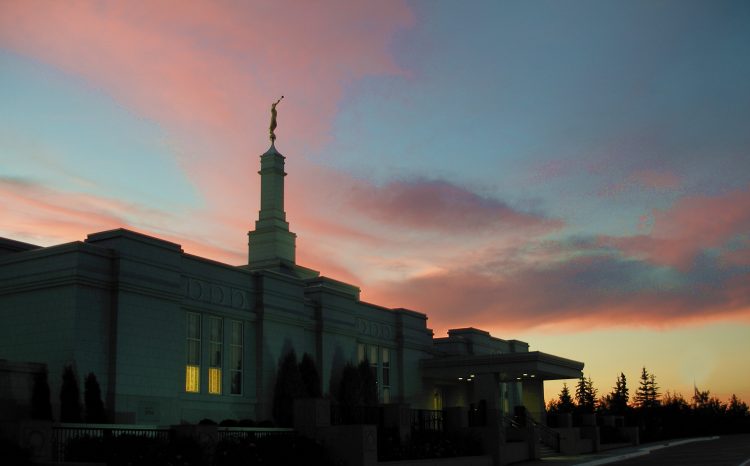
x=174 y=337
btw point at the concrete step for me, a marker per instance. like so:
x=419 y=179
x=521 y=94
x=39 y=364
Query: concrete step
x=545 y=451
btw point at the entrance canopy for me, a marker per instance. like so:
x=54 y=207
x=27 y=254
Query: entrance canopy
x=509 y=367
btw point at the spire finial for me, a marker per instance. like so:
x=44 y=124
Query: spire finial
x=272 y=135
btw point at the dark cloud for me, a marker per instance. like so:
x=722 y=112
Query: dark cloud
x=586 y=287
x=443 y=206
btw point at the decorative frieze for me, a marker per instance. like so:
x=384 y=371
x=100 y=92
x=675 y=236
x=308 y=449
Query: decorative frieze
x=374 y=329
x=215 y=293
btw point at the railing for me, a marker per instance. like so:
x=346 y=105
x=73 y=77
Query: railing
x=513 y=422
x=547 y=435
x=424 y=420
x=252 y=433
x=63 y=433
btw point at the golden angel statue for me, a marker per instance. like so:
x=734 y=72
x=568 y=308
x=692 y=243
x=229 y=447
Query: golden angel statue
x=273 y=120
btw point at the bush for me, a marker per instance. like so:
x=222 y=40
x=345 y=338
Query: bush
x=310 y=377
x=275 y=450
x=288 y=386
x=135 y=450
x=41 y=408
x=92 y=397
x=70 y=397
x=427 y=444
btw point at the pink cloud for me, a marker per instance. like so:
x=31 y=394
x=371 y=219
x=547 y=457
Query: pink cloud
x=656 y=179
x=47 y=216
x=583 y=292
x=691 y=225
x=207 y=71
x=444 y=207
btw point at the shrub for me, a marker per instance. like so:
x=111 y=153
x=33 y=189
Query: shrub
x=70 y=397
x=41 y=408
x=288 y=386
x=92 y=398
x=310 y=377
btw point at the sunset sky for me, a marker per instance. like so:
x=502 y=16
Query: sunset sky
x=573 y=174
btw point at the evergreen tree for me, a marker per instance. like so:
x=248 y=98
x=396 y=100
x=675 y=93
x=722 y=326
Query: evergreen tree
x=288 y=386
x=310 y=378
x=41 y=408
x=585 y=395
x=369 y=383
x=647 y=394
x=565 y=401
x=653 y=391
x=92 y=398
x=70 y=397
x=620 y=396
x=616 y=402
x=350 y=387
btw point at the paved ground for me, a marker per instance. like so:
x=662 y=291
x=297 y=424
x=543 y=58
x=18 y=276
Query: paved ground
x=729 y=450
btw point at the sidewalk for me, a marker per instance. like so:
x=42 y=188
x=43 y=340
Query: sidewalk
x=611 y=456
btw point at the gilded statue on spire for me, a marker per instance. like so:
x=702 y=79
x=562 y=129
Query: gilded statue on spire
x=273 y=120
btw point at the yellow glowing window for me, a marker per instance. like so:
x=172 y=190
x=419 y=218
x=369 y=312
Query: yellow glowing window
x=192 y=379
x=214 y=380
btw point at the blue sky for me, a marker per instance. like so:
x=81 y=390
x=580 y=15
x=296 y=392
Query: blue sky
x=561 y=171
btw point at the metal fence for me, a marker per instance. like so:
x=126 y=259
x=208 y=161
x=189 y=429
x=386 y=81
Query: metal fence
x=426 y=420
x=252 y=433
x=64 y=433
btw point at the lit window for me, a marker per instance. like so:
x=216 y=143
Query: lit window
x=192 y=379
x=214 y=381
x=215 y=336
x=193 y=367
x=235 y=355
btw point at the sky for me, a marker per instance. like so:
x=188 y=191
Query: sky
x=572 y=174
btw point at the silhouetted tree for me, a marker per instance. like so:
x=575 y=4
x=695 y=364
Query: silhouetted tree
x=620 y=396
x=350 y=387
x=92 y=398
x=369 y=383
x=288 y=387
x=737 y=407
x=703 y=401
x=675 y=402
x=565 y=401
x=585 y=395
x=738 y=415
x=310 y=377
x=647 y=394
x=70 y=397
x=41 y=408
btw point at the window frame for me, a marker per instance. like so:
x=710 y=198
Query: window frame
x=193 y=358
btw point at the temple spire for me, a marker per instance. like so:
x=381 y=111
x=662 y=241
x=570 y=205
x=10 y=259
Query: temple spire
x=271 y=244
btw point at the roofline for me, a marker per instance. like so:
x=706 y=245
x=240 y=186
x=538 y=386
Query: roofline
x=531 y=356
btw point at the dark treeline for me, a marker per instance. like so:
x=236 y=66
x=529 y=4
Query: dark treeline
x=657 y=415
